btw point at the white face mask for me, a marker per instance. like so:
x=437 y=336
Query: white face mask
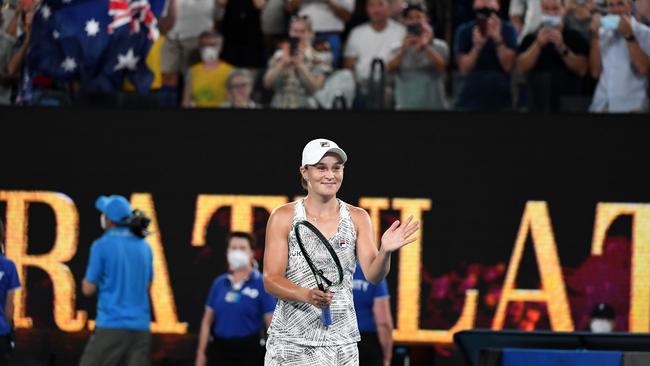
x=238 y=259
x=601 y=326
x=209 y=54
x=102 y=221
x=551 y=21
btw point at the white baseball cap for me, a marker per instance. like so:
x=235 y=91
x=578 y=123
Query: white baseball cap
x=316 y=149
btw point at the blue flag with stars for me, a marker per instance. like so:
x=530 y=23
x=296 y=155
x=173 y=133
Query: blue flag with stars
x=95 y=42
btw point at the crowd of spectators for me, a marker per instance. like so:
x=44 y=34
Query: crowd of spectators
x=478 y=55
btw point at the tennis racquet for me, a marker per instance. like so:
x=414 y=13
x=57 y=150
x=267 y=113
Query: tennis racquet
x=324 y=264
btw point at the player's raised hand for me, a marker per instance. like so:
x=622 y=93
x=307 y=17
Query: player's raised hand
x=399 y=235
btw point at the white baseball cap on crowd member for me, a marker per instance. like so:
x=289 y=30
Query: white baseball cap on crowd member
x=316 y=149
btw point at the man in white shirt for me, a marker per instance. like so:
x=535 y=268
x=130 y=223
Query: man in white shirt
x=619 y=56
x=328 y=18
x=526 y=16
x=180 y=49
x=372 y=40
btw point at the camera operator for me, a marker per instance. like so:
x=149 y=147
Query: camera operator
x=485 y=53
x=120 y=271
x=297 y=70
x=9 y=282
x=419 y=63
x=556 y=59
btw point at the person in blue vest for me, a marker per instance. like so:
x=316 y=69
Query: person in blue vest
x=372 y=305
x=120 y=271
x=9 y=282
x=236 y=309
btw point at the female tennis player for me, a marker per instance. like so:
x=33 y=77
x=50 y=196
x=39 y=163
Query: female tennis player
x=297 y=335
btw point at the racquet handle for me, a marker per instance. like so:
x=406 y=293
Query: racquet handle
x=326 y=316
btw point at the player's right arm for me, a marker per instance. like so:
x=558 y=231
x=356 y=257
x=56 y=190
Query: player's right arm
x=276 y=257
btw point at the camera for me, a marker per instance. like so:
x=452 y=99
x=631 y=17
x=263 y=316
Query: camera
x=293 y=45
x=138 y=223
x=414 y=29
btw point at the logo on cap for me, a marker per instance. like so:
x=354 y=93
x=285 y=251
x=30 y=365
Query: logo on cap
x=324 y=144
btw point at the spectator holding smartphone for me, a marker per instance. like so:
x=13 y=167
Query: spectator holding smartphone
x=485 y=53
x=328 y=20
x=555 y=58
x=619 y=56
x=419 y=64
x=296 y=70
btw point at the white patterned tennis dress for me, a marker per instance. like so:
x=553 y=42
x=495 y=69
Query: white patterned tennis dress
x=296 y=335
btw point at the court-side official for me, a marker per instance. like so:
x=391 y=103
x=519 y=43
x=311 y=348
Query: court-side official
x=372 y=304
x=8 y=283
x=120 y=271
x=236 y=309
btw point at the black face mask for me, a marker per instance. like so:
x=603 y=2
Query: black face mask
x=484 y=12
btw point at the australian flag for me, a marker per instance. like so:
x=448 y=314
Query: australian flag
x=96 y=42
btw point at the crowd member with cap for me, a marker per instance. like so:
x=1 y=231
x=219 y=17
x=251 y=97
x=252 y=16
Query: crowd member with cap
x=485 y=53
x=372 y=305
x=296 y=335
x=9 y=282
x=237 y=308
x=120 y=271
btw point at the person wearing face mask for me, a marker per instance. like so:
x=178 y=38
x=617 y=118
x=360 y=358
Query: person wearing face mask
x=120 y=272
x=9 y=282
x=485 y=53
x=237 y=309
x=619 y=57
x=205 y=83
x=297 y=70
x=555 y=59
x=602 y=318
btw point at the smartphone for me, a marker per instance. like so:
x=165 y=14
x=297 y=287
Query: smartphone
x=482 y=25
x=414 y=29
x=293 y=45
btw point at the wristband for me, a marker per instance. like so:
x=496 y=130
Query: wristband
x=630 y=38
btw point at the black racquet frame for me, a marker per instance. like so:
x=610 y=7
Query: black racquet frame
x=318 y=274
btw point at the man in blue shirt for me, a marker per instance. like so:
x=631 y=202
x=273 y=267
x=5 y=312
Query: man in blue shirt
x=236 y=309
x=120 y=270
x=372 y=305
x=8 y=283
x=485 y=53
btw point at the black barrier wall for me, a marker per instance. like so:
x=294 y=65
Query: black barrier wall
x=474 y=176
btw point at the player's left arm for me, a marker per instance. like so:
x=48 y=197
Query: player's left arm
x=375 y=263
